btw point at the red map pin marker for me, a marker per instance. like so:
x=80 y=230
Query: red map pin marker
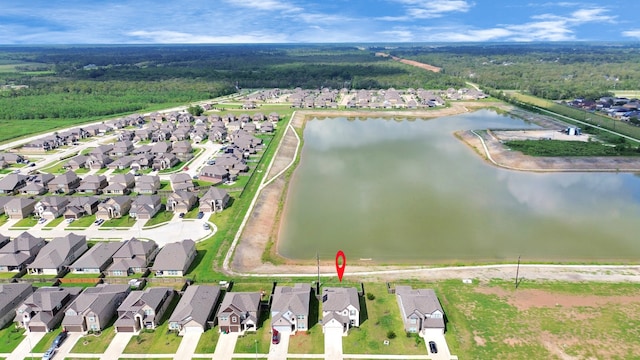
x=340 y=258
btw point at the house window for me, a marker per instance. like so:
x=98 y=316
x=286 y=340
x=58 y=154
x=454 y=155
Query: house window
x=234 y=319
x=352 y=313
x=413 y=330
x=224 y=318
x=300 y=317
x=94 y=327
x=437 y=315
x=413 y=321
x=92 y=318
x=148 y=312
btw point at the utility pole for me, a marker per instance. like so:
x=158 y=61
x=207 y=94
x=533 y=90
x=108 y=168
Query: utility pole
x=517 y=271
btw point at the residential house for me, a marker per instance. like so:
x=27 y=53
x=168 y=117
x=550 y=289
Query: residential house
x=93 y=184
x=121 y=163
x=214 y=200
x=144 y=207
x=43 y=310
x=147 y=184
x=77 y=162
x=234 y=164
x=266 y=127
x=102 y=150
x=51 y=207
x=80 y=206
x=98 y=161
x=11 y=296
x=340 y=308
x=144 y=149
x=37 y=184
x=174 y=259
x=4 y=200
x=163 y=162
x=20 y=208
x=180 y=134
x=60 y=252
x=239 y=312
x=181 y=201
x=198 y=135
x=421 y=311
x=133 y=257
x=217 y=133
x=94 y=308
x=161 y=148
x=11 y=158
x=274 y=117
x=12 y=183
x=214 y=173
x=182 y=150
x=142 y=161
x=20 y=252
x=290 y=308
x=114 y=207
x=96 y=259
x=143 y=309
x=65 y=183
x=120 y=184
x=121 y=148
x=142 y=135
x=194 y=310
x=182 y=182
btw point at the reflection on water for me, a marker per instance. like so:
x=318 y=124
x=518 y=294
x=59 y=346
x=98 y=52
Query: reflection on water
x=409 y=190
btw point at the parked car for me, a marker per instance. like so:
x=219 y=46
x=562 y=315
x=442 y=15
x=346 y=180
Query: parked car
x=42 y=221
x=275 y=336
x=181 y=215
x=59 y=339
x=49 y=354
x=32 y=164
x=433 y=347
x=200 y=215
x=206 y=226
x=69 y=220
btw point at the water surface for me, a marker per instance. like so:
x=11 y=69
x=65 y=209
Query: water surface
x=408 y=190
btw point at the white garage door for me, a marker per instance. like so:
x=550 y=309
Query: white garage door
x=193 y=330
x=283 y=328
x=431 y=334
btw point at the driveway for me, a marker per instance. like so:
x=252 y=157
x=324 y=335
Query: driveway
x=226 y=346
x=187 y=346
x=441 y=344
x=281 y=350
x=117 y=345
x=333 y=344
x=23 y=351
x=68 y=344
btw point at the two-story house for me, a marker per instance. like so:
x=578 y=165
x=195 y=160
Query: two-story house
x=144 y=207
x=239 y=312
x=60 y=252
x=290 y=308
x=340 y=308
x=11 y=296
x=43 y=310
x=94 y=308
x=143 y=309
x=114 y=207
x=214 y=200
x=421 y=311
x=65 y=183
x=147 y=184
x=133 y=256
x=174 y=259
x=20 y=252
x=194 y=310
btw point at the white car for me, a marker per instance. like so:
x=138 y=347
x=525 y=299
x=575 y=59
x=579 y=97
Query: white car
x=42 y=221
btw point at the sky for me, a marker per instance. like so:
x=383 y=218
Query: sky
x=314 y=21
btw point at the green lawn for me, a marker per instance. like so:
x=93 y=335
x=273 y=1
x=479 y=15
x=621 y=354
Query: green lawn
x=53 y=223
x=47 y=340
x=158 y=341
x=7 y=275
x=124 y=222
x=193 y=213
x=3 y=219
x=380 y=316
x=83 y=222
x=26 y=222
x=94 y=344
x=162 y=216
x=10 y=337
x=208 y=341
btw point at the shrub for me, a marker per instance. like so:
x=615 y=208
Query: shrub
x=370 y=296
x=391 y=334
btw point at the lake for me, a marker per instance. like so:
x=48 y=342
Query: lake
x=407 y=190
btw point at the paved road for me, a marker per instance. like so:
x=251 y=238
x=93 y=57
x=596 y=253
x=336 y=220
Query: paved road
x=173 y=231
x=225 y=347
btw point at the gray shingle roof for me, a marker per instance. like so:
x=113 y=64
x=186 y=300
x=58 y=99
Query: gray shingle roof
x=55 y=253
x=98 y=255
x=174 y=256
x=337 y=299
x=196 y=304
x=422 y=301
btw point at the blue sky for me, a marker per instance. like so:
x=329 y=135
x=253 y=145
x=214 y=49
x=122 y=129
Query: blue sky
x=314 y=21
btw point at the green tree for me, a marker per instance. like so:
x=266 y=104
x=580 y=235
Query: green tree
x=195 y=110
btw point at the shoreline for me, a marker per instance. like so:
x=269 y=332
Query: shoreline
x=263 y=224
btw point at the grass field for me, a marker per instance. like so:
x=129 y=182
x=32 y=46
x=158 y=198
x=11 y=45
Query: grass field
x=208 y=341
x=94 y=344
x=10 y=338
x=158 y=341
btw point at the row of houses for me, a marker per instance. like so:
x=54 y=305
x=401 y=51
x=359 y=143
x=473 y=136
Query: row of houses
x=71 y=253
x=238 y=312
x=141 y=207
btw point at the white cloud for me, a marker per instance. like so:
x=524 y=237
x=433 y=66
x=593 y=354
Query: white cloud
x=175 y=37
x=420 y=9
x=634 y=33
x=264 y=5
